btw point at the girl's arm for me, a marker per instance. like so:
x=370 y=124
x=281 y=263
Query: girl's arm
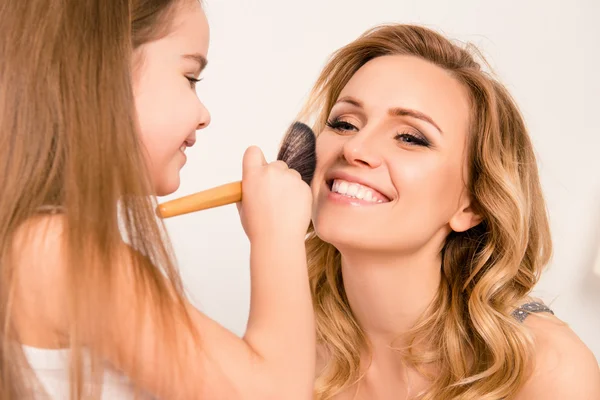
x=274 y=360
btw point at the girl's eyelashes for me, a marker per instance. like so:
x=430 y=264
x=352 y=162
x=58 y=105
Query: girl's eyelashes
x=193 y=81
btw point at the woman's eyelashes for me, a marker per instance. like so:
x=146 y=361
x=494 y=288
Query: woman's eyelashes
x=341 y=126
x=411 y=137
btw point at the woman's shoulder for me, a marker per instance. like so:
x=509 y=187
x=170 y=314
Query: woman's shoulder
x=563 y=366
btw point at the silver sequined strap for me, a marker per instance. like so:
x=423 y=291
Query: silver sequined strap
x=534 y=307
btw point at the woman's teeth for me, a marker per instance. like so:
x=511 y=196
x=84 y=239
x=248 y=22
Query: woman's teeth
x=182 y=148
x=357 y=191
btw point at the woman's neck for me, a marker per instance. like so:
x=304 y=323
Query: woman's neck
x=389 y=293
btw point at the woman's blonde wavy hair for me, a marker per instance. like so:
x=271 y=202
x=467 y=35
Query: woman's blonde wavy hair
x=467 y=336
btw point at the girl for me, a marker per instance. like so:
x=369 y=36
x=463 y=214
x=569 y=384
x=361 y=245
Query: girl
x=97 y=107
x=429 y=232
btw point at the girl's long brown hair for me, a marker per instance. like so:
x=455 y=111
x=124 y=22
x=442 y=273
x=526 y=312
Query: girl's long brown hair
x=467 y=335
x=69 y=142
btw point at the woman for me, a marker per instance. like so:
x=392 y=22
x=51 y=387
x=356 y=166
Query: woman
x=429 y=232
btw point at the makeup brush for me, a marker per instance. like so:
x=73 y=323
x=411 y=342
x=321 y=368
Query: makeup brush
x=297 y=150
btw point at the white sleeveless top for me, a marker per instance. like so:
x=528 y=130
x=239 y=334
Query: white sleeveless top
x=52 y=371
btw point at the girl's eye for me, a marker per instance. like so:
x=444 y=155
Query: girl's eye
x=193 y=81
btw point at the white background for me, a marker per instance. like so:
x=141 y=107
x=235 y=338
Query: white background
x=265 y=56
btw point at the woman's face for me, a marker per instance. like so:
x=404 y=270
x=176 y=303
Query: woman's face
x=391 y=162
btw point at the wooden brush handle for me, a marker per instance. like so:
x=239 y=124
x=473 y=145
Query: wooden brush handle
x=215 y=197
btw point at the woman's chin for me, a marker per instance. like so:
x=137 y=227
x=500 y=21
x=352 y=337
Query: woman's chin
x=339 y=236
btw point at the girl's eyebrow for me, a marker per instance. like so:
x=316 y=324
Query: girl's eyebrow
x=197 y=57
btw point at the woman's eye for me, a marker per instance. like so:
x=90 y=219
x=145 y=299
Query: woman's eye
x=411 y=139
x=340 y=126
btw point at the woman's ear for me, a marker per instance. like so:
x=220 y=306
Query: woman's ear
x=466 y=216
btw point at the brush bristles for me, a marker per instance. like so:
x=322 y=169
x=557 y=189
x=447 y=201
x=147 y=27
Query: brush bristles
x=298 y=150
